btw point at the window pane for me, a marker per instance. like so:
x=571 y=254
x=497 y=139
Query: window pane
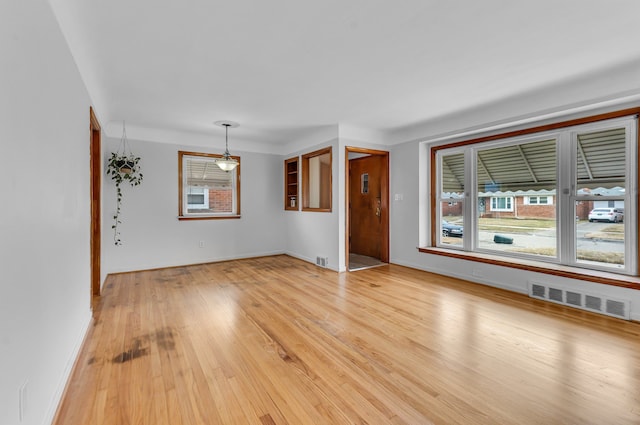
x=601 y=159
x=601 y=172
x=600 y=238
x=364 y=183
x=452 y=176
x=203 y=174
x=452 y=195
x=515 y=183
x=451 y=225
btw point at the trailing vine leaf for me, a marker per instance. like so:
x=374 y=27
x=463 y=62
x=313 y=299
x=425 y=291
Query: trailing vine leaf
x=122 y=168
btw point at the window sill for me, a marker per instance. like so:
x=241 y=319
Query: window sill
x=596 y=276
x=208 y=217
x=316 y=209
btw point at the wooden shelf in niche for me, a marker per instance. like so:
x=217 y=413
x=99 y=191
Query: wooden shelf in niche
x=291 y=173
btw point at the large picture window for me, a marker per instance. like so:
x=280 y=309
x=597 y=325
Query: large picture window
x=565 y=196
x=206 y=191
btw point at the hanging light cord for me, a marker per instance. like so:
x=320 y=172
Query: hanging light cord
x=226 y=141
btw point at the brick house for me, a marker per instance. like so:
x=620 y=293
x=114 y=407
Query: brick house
x=520 y=204
x=540 y=203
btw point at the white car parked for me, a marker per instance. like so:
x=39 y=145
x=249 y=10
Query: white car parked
x=612 y=215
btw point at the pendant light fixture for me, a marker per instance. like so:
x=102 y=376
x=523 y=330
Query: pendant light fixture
x=226 y=163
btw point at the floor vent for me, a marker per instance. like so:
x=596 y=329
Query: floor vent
x=585 y=301
x=322 y=261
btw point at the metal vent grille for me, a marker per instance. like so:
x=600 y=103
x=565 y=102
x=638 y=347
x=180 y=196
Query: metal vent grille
x=592 y=302
x=555 y=294
x=538 y=290
x=574 y=298
x=615 y=308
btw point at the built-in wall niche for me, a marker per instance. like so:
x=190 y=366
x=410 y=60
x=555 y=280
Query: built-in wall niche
x=316 y=180
x=291 y=176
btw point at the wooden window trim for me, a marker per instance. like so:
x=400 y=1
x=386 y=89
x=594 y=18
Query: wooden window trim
x=607 y=278
x=305 y=178
x=181 y=216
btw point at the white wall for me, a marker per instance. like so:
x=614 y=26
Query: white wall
x=618 y=86
x=408 y=221
x=264 y=229
x=45 y=214
x=311 y=234
x=151 y=234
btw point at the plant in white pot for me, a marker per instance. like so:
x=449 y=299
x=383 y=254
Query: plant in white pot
x=123 y=167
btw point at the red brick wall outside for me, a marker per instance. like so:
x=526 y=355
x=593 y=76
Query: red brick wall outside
x=521 y=210
x=220 y=200
x=450 y=209
x=583 y=208
x=534 y=211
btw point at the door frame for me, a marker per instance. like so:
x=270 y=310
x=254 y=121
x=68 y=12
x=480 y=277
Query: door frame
x=384 y=195
x=95 y=176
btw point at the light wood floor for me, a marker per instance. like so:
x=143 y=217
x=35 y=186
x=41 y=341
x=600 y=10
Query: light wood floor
x=278 y=341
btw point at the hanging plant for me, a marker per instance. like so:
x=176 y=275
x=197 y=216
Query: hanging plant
x=123 y=167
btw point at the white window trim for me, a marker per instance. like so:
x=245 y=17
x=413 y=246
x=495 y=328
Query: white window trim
x=527 y=200
x=509 y=201
x=205 y=203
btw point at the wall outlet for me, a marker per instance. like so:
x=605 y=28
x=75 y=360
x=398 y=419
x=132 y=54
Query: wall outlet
x=22 y=401
x=476 y=272
x=201 y=245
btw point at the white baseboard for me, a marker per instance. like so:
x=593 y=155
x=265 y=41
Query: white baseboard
x=143 y=267
x=56 y=398
x=474 y=279
x=312 y=261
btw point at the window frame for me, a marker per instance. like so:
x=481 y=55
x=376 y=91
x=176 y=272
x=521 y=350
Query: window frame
x=306 y=192
x=205 y=196
x=627 y=278
x=508 y=201
x=182 y=195
x=548 y=200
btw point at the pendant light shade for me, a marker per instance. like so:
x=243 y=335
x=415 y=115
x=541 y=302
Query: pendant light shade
x=226 y=163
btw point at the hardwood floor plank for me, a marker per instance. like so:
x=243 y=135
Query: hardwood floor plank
x=276 y=340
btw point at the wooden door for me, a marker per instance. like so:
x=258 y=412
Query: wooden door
x=366 y=203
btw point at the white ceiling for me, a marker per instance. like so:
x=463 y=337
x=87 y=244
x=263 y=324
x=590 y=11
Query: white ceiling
x=285 y=67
